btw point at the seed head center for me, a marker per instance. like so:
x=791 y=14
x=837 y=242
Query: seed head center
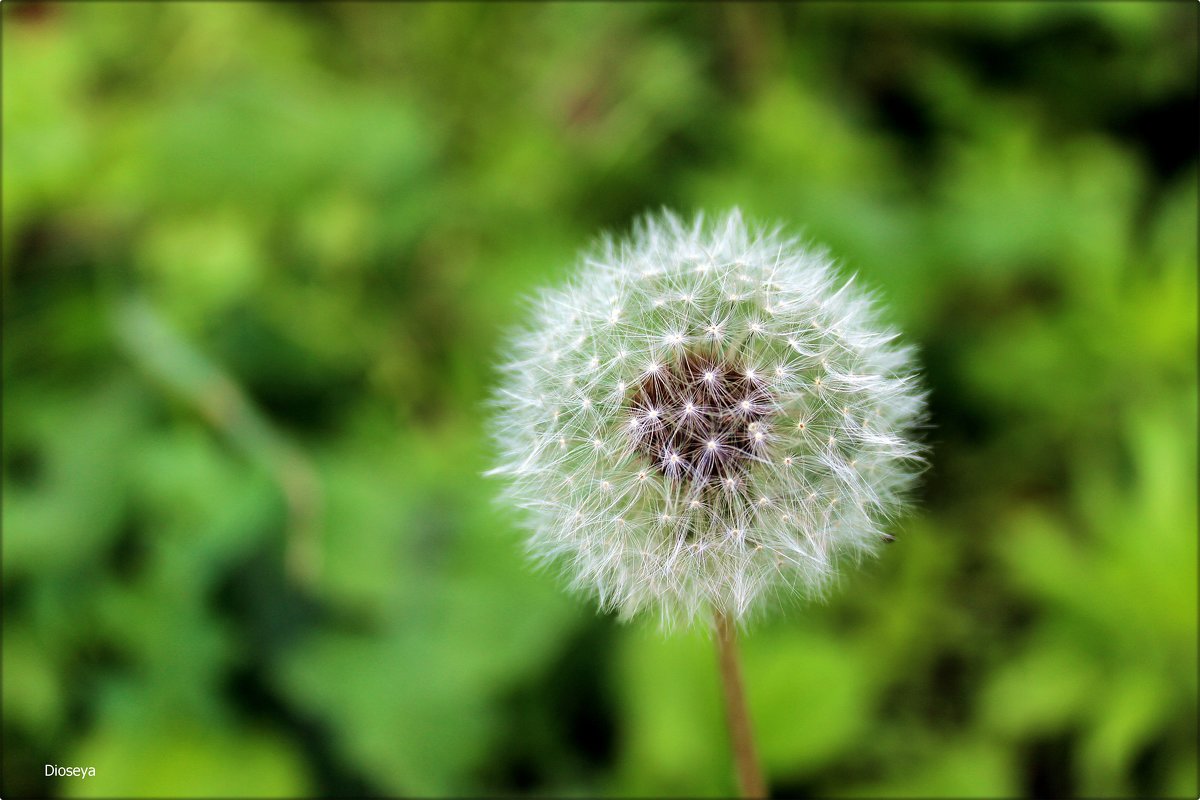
x=700 y=418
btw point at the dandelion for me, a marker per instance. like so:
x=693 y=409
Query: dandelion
x=706 y=418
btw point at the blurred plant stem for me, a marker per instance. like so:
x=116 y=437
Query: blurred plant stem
x=741 y=737
x=175 y=364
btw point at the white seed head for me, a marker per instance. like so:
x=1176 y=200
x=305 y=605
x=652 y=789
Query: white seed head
x=740 y=426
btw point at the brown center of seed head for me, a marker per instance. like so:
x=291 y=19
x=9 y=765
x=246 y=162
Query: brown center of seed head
x=700 y=419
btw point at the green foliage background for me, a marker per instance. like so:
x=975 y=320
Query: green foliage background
x=257 y=258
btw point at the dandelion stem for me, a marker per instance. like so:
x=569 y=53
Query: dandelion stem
x=741 y=738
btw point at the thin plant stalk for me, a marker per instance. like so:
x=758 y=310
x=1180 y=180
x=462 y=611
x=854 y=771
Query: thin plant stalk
x=741 y=737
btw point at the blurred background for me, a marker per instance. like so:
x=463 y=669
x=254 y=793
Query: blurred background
x=256 y=261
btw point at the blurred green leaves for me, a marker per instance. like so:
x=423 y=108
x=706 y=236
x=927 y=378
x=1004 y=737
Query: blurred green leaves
x=257 y=260
x=148 y=760
x=440 y=614
x=1113 y=653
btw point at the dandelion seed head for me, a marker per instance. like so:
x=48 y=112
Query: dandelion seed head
x=706 y=416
